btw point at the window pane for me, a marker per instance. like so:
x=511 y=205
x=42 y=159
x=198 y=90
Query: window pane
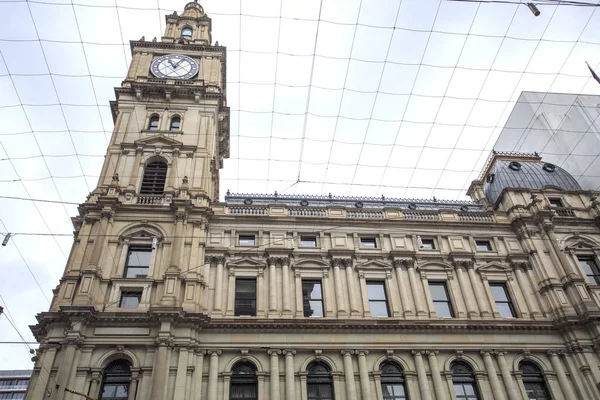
x=109 y=391
x=312 y=290
x=375 y=291
x=308 y=241
x=469 y=389
x=378 y=309
x=368 y=243
x=136 y=272
x=505 y=310
x=427 y=244
x=245 y=286
x=130 y=300
x=458 y=389
x=246 y=240
x=438 y=291
x=483 y=245
x=499 y=292
x=442 y=310
x=315 y=310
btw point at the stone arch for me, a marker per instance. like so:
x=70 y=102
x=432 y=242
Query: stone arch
x=315 y=262
x=150 y=157
x=325 y=359
x=117 y=354
x=148 y=227
x=571 y=241
x=245 y=358
x=531 y=358
x=394 y=358
x=469 y=360
x=435 y=266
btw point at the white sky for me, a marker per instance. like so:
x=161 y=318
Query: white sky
x=372 y=97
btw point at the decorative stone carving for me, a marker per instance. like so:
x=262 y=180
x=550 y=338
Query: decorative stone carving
x=403 y=262
x=466 y=264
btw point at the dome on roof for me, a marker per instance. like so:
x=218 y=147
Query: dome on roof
x=193 y=10
x=525 y=175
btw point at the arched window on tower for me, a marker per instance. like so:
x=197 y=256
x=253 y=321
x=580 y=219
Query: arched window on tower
x=153 y=122
x=175 y=123
x=392 y=381
x=319 y=382
x=244 y=384
x=155 y=176
x=534 y=382
x=463 y=381
x=186 y=32
x=115 y=384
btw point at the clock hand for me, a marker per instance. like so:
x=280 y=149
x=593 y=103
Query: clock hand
x=172 y=65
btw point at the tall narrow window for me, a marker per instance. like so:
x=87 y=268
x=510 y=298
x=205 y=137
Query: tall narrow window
x=244 y=384
x=319 y=383
x=186 y=32
x=245 y=297
x=441 y=300
x=312 y=298
x=115 y=385
x=155 y=176
x=463 y=381
x=377 y=299
x=503 y=303
x=533 y=380
x=138 y=261
x=175 y=123
x=153 y=123
x=590 y=269
x=392 y=382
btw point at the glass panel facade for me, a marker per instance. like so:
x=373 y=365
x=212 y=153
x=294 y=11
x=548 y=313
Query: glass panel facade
x=312 y=298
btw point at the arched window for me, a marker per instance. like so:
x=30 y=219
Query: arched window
x=153 y=123
x=244 y=384
x=186 y=32
x=319 y=382
x=533 y=380
x=175 y=123
x=463 y=380
x=115 y=385
x=155 y=175
x=392 y=381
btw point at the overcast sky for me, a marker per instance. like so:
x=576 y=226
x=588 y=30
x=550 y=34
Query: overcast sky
x=400 y=98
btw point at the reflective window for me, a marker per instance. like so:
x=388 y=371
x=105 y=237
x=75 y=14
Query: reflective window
x=115 y=385
x=377 y=299
x=590 y=269
x=246 y=240
x=153 y=123
x=392 y=382
x=138 y=261
x=441 y=300
x=130 y=298
x=155 y=176
x=319 y=383
x=555 y=202
x=308 y=241
x=533 y=380
x=463 y=381
x=368 y=243
x=175 y=123
x=244 y=384
x=483 y=245
x=186 y=32
x=312 y=298
x=245 y=297
x=427 y=244
x=503 y=303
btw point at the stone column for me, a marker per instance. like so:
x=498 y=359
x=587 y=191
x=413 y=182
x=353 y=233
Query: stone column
x=339 y=294
x=272 y=287
x=178 y=241
x=427 y=292
x=101 y=235
x=493 y=376
x=213 y=374
x=363 y=370
x=298 y=286
x=197 y=381
x=133 y=384
x=564 y=383
x=438 y=385
x=46 y=361
x=467 y=292
x=417 y=297
x=260 y=293
x=181 y=376
x=422 y=376
x=349 y=375
x=484 y=306
x=285 y=277
x=160 y=369
x=509 y=382
x=362 y=282
x=69 y=349
x=174 y=169
x=290 y=390
x=206 y=279
x=135 y=171
x=231 y=293
x=403 y=288
x=352 y=294
x=218 y=301
x=274 y=373
x=576 y=373
x=528 y=294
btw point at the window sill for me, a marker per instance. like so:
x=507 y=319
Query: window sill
x=150 y=132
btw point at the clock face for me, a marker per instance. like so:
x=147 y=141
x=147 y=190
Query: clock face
x=174 y=66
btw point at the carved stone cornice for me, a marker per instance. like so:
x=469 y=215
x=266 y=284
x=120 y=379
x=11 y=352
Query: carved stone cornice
x=278 y=260
x=341 y=262
x=466 y=264
x=165 y=341
x=403 y=262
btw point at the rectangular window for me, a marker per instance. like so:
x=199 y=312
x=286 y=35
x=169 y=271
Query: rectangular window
x=483 y=245
x=308 y=241
x=138 y=261
x=377 y=299
x=368 y=243
x=5 y=395
x=590 y=269
x=245 y=297
x=312 y=298
x=246 y=240
x=441 y=299
x=18 y=395
x=130 y=298
x=555 y=202
x=503 y=303
x=7 y=383
x=427 y=244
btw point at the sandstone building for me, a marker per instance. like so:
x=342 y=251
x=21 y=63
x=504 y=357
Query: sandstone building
x=169 y=294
